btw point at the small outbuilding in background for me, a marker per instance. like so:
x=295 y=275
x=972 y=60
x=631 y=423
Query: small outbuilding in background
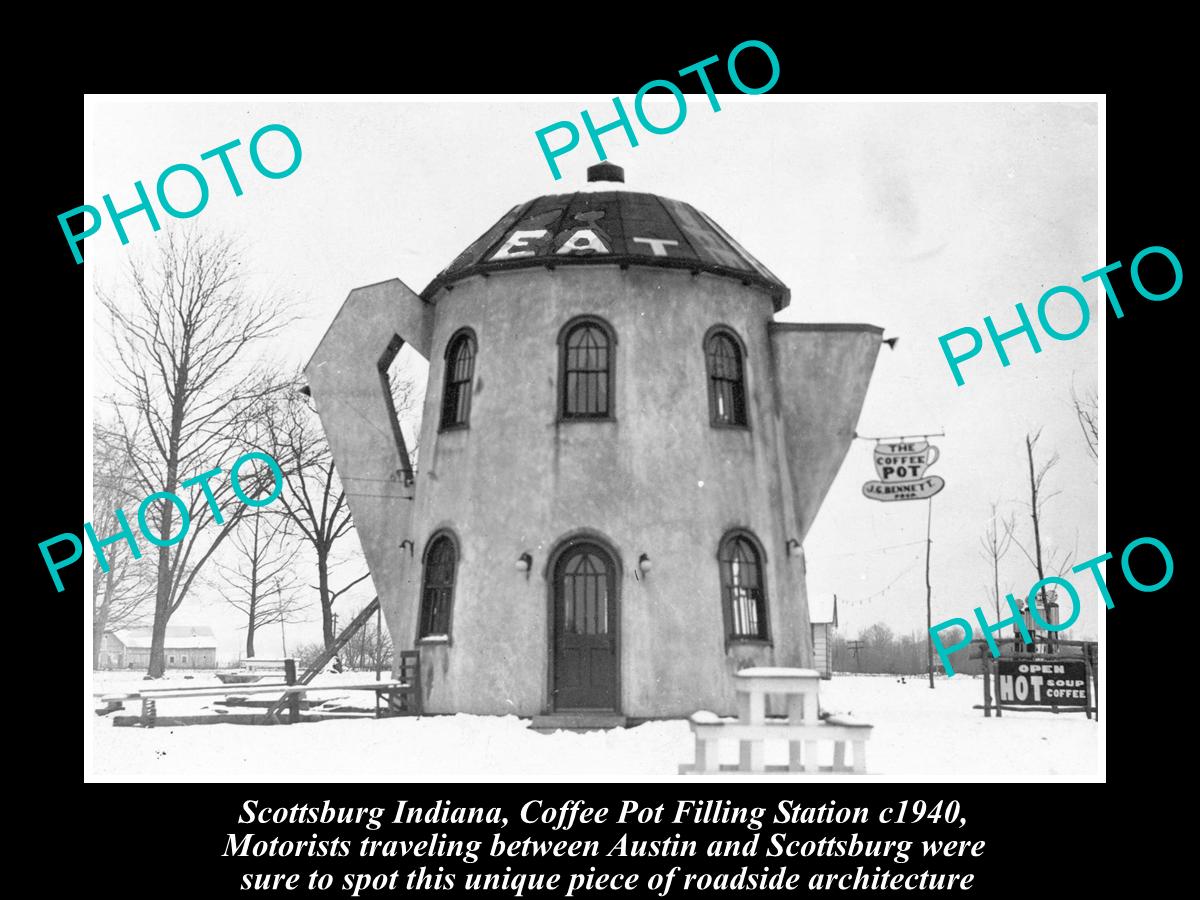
x=822 y=612
x=186 y=647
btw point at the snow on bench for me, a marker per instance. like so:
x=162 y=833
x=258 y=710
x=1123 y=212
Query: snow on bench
x=709 y=729
x=242 y=689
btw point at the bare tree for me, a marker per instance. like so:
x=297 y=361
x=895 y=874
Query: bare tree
x=314 y=496
x=120 y=588
x=182 y=328
x=369 y=648
x=995 y=543
x=1087 y=411
x=261 y=577
x=1044 y=560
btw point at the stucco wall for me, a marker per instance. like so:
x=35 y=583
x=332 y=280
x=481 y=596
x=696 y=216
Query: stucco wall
x=658 y=480
x=824 y=370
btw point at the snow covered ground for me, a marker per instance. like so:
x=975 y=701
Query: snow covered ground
x=919 y=735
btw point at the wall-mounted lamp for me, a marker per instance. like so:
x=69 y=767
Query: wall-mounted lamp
x=644 y=564
x=524 y=562
x=892 y=342
x=407 y=543
x=793 y=547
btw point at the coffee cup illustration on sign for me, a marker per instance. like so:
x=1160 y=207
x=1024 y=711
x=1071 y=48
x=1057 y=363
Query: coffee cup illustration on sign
x=904 y=461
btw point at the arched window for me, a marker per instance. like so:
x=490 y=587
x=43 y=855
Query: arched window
x=437 y=588
x=726 y=382
x=586 y=350
x=743 y=588
x=460 y=369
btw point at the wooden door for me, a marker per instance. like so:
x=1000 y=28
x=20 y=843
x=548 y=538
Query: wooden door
x=585 y=629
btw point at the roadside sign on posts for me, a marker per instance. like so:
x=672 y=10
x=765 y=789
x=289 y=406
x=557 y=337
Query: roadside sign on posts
x=1041 y=682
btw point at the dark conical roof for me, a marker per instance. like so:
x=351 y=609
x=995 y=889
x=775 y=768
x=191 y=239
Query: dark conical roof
x=608 y=227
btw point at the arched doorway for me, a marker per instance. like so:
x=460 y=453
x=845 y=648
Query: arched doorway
x=584 y=630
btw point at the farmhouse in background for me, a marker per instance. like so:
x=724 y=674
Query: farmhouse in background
x=622 y=452
x=186 y=647
x=822 y=613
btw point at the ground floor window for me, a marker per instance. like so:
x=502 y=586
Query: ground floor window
x=743 y=587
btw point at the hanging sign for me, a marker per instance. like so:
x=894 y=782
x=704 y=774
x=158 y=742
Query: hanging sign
x=904 y=462
x=921 y=489
x=901 y=468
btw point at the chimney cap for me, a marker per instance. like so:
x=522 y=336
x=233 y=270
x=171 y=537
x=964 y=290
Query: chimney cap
x=606 y=171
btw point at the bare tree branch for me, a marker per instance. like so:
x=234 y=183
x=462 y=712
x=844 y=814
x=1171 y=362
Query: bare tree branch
x=1087 y=412
x=183 y=327
x=314 y=497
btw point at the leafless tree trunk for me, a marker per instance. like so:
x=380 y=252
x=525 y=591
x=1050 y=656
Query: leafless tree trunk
x=1055 y=562
x=996 y=542
x=314 y=496
x=261 y=578
x=182 y=329
x=119 y=595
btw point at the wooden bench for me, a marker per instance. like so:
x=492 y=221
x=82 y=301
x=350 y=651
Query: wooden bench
x=398 y=696
x=406 y=699
x=709 y=729
x=263 y=667
x=151 y=699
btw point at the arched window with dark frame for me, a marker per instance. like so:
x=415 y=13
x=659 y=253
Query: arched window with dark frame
x=743 y=588
x=437 y=586
x=460 y=370
x=586 y=350
x=726 y=378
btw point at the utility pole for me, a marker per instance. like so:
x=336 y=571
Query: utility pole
x=929 y=593
x=854 y=647
x=1034 y=486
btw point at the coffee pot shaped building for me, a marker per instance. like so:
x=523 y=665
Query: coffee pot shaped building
x=622 y=453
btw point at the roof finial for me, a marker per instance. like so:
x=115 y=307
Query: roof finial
x=606 y=171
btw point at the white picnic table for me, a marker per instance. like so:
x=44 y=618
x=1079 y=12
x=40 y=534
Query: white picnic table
x=800 y=686
x=751 y=729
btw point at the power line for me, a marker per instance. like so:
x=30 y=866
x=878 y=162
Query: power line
x=884 y=590
x=873 y=550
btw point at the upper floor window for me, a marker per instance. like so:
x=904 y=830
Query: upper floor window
x=437 y=588
x=460 y=369
x=586 y=349
x=743 y=588
x=726 y=381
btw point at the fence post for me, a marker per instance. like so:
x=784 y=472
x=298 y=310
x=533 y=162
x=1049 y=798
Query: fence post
x=996 y=687
x=987 y=682
x=1089 y=687
x=289 y=675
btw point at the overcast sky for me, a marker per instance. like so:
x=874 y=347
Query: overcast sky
x=918 y=217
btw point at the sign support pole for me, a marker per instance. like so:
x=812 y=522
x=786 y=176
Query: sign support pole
x=929 y=594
